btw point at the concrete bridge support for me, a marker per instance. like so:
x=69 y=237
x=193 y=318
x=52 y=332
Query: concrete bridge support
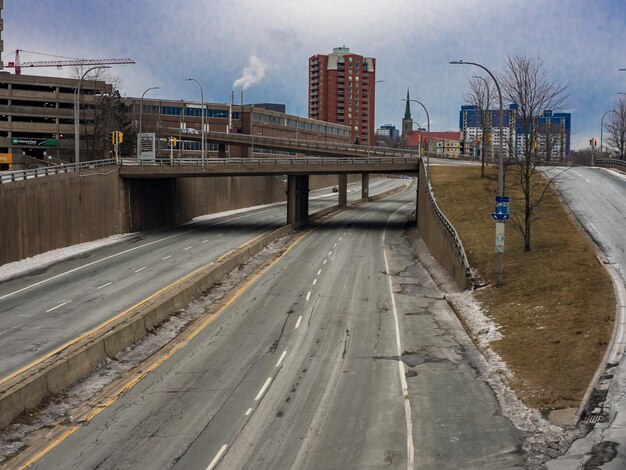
x=298 y=200
x=365 y=186
x=221 y=151
x=343 y=190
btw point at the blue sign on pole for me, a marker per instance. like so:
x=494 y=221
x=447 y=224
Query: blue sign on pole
x=502 y=208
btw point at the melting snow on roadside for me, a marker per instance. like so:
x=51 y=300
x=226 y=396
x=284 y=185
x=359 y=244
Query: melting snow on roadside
x=546 y=440
x=59 y=408
x=10 y=270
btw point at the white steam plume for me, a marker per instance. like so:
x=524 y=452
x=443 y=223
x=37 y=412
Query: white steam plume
x=253 y=73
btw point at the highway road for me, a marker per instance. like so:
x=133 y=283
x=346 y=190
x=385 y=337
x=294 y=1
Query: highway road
x=42 y=310
x=597 y=197
x=342 y=354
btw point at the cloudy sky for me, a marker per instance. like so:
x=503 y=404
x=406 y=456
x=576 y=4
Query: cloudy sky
x=264 y=45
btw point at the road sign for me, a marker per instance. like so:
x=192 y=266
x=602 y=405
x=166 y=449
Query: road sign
x=500 y=237
x=502 y=208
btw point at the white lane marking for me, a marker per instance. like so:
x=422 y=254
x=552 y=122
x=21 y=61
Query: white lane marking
x=282 y=356
x=105 y=285
x=248 y=411
x=58 y=306
x=298 y=322
x=334 y=244
x=319 y=272
x=86 y=266
x=140 y=269
x=263 y=389
x=188 y=248
x=314 y=281
x=325 y=261
x=330 y=253
x=204 y=241
x=308 y=296
x=220 y=235
x=405 y=388
x=217 y=458
x=167 y=257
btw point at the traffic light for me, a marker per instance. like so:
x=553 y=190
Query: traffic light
x=113 y=138
x=120 y=137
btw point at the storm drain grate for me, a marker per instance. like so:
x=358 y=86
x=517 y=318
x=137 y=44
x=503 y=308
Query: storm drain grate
x=593 y=419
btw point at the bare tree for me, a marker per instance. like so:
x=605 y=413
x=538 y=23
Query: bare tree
x=98 y=118
x=482 y=94
x=617 y=129
x=526 y=83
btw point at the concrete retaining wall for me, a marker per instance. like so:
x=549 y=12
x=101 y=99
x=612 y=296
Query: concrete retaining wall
x=78 y=358
x=74 y=361
x=439 y=235
x=44 y=214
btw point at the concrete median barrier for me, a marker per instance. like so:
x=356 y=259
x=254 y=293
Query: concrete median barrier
x=74 y=360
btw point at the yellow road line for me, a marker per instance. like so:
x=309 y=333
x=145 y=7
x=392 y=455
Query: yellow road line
x=154 y=361
x=120 y=315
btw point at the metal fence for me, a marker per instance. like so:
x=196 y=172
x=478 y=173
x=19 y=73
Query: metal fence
x=610 y=162
x=269 y=161
x=21 y=175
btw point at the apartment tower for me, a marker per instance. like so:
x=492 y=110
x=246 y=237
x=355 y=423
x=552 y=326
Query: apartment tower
x=342 y=90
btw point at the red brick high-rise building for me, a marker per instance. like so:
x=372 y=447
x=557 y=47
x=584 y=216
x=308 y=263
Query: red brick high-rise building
x=342 y=90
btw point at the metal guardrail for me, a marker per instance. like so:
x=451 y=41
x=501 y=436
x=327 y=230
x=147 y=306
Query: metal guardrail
x=22 y=175
x=610 y=161
x=269 y=161
x=448 y=226
x=308 y=145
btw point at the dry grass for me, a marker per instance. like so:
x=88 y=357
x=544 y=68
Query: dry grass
x=557 y=306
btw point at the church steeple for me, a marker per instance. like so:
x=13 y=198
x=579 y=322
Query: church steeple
x=407 y=122
x=407 y=111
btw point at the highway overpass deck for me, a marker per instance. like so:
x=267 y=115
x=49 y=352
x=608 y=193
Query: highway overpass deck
x=166 y=168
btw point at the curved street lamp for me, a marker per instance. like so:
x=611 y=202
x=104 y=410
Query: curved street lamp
x=602 y=129
x=202 y=103
x=77 y=113
x=500 y=150
x=141 y=116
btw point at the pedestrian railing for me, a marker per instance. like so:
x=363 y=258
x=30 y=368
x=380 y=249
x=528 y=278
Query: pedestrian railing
x=610 y=162
x=269 y=161
x=21 y=175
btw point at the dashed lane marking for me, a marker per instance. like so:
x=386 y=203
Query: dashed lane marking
x=314 y=281
x=58 y=306
x=217 y=458
x=188 y=248
x=105 y=285
x=140 y=269
x=263 y=389
x=167 y=257
x=298 y=322
x=282 y=356
x=308 y=296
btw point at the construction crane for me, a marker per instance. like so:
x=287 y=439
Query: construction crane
x=68 y=62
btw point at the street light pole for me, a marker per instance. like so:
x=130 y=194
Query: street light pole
x=602 y=129
x=500 y=150
x=77 y=113
x=427 y=133
x=202 y=104
x=141 y=116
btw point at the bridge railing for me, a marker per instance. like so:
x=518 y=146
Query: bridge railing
x=21 y=175
x=610 y=162
x=309 y=145
x=301 y=161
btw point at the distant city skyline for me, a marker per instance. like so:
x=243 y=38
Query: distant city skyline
x=264 y=47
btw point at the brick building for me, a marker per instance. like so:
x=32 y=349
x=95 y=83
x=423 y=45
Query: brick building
x=342 y=90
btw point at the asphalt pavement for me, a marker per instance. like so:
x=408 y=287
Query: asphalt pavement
x=43 y=310
x=343 y=354
x=597 y=198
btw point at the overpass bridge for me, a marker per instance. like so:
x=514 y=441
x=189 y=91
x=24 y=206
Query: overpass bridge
x=322 y=158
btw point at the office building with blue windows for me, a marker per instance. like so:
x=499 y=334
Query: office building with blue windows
x=554 y=131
